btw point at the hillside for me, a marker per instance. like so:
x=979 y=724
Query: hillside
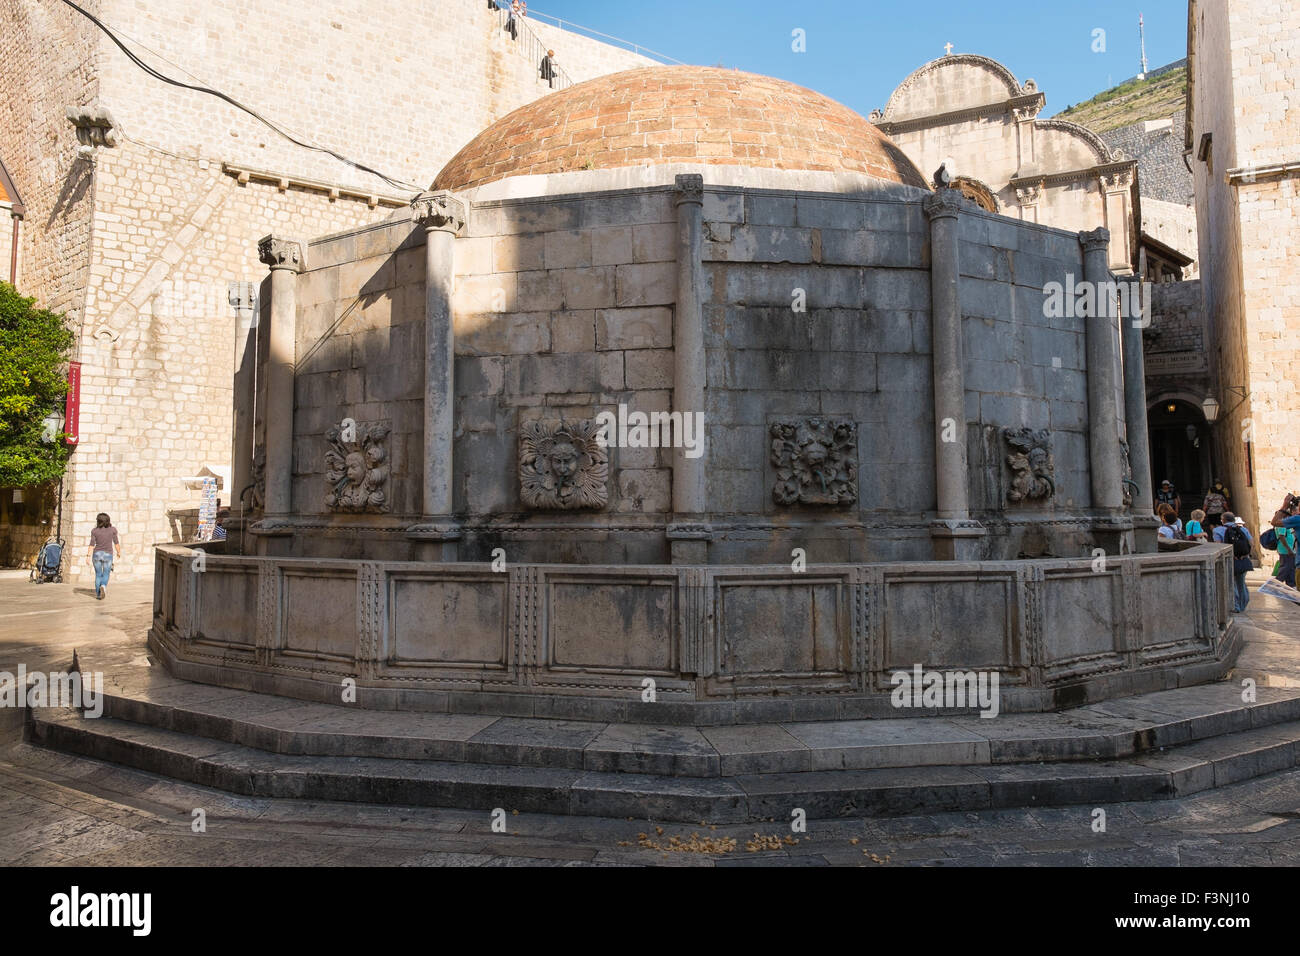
x=1162 y=94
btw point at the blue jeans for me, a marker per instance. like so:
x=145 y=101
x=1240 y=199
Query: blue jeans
x=1242 y=596
x=1286 y=573
x=103 y=562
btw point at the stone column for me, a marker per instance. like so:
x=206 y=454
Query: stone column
x=284 y=256
x=1104 y=450
x=689 y=532
x=243 y=299
x=954 y=533
x=442 y=215
x=1135 y=410
x=1118 y=189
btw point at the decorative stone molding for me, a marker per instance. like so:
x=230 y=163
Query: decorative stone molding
x=355 y=467
x=95 y=127
x=1098 y=240
x=944 y=203
x=280 y=253
x=1028 y=195
x=1118 y=179
x=689 y=188
x=1007 y=78
x=1025 y=113
x=438 y=210
x=1032 y=466
x=816 y=461
x=562 y=465
x=257 y=495
x=1130 y=486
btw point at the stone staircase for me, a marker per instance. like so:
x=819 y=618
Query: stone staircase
x=1153 y=746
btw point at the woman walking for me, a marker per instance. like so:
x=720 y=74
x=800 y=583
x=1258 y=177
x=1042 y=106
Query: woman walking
x=103 y=539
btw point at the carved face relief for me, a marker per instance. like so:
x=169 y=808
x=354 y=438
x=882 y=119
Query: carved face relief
x=816 y=462
x=1032 y=467
x=561 y=465
x=355 y=471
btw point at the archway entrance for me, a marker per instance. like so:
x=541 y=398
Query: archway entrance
x=1181 y=450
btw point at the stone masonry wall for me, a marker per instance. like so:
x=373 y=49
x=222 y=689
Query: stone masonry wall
x=1265 y=74
x=1246 y=71
x=171 y=230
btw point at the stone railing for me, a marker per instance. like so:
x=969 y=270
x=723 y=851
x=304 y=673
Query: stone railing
x=713 y=643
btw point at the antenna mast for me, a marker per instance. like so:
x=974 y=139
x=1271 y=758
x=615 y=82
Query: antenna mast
x=1142 y=38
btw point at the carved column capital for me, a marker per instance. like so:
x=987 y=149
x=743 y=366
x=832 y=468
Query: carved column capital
x=1098 y=240
x=280 y=253
x=1117 y=181
x=690 y=188
x=1028 y=195
x=943 y=204
x=439 y=211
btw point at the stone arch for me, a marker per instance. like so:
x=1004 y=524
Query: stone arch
x=999 y=73
x=977 y=192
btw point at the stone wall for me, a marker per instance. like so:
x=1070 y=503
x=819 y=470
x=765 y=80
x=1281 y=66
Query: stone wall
x=1157 y=145
x=140 y=244
x=1175 y=346
x=1245 y=70
x=816 y=307
x=720 y=644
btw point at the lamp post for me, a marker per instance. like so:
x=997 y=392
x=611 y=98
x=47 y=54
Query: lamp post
x=53 y=424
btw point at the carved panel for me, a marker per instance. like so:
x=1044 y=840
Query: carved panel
x=562 y=465
x=1032 y=467
x=356 y=467
x=816 y=461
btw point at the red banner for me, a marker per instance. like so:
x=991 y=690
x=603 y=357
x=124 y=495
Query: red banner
x=72 y=409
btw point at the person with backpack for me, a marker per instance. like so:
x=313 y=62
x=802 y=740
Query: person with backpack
x=1216 y=503
x=1283 y=538
x=1236 y=535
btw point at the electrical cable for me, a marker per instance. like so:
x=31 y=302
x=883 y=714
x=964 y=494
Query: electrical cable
x=400 y=184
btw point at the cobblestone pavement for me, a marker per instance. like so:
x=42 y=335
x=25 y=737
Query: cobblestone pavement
x=63 y=810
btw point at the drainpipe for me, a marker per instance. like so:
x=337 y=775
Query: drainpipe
x=16 y=213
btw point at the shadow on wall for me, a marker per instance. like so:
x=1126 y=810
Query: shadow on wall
x=184 y=523
x=25 y=524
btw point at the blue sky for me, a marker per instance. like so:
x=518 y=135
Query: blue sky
x=858 y=52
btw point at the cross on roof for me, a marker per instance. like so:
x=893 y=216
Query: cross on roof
x=947 y=49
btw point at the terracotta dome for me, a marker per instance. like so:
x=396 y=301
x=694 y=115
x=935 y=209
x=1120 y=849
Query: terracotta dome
x=679 y=114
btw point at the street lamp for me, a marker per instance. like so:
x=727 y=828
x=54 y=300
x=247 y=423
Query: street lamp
x=53 y=423
x=1210 y=406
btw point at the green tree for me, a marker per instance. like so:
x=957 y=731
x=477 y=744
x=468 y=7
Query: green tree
x=34 y=347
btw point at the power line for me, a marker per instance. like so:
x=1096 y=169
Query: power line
x=400 y=184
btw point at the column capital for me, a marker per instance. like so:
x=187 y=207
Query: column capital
x=280 y=253
x=438 y=211
x=689 y=188
x=943 y=204
x=1098 y=240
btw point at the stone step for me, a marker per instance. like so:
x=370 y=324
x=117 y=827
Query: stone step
x=1112 y=730
x=1178 y=771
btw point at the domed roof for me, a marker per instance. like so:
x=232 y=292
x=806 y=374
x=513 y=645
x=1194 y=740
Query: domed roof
x=679 y=114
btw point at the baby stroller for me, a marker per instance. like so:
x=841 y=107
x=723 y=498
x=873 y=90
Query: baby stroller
x=49 y=563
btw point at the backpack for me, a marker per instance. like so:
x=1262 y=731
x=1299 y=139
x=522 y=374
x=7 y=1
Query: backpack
x=1268 y=539
x=1240 y=543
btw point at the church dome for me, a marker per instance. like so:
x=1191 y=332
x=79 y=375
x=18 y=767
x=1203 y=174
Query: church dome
x=679 y=115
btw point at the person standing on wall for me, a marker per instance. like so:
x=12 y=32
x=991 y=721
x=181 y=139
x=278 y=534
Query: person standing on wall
x=103 y=539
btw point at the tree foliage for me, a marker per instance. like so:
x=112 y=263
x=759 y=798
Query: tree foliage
x=34 y=348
